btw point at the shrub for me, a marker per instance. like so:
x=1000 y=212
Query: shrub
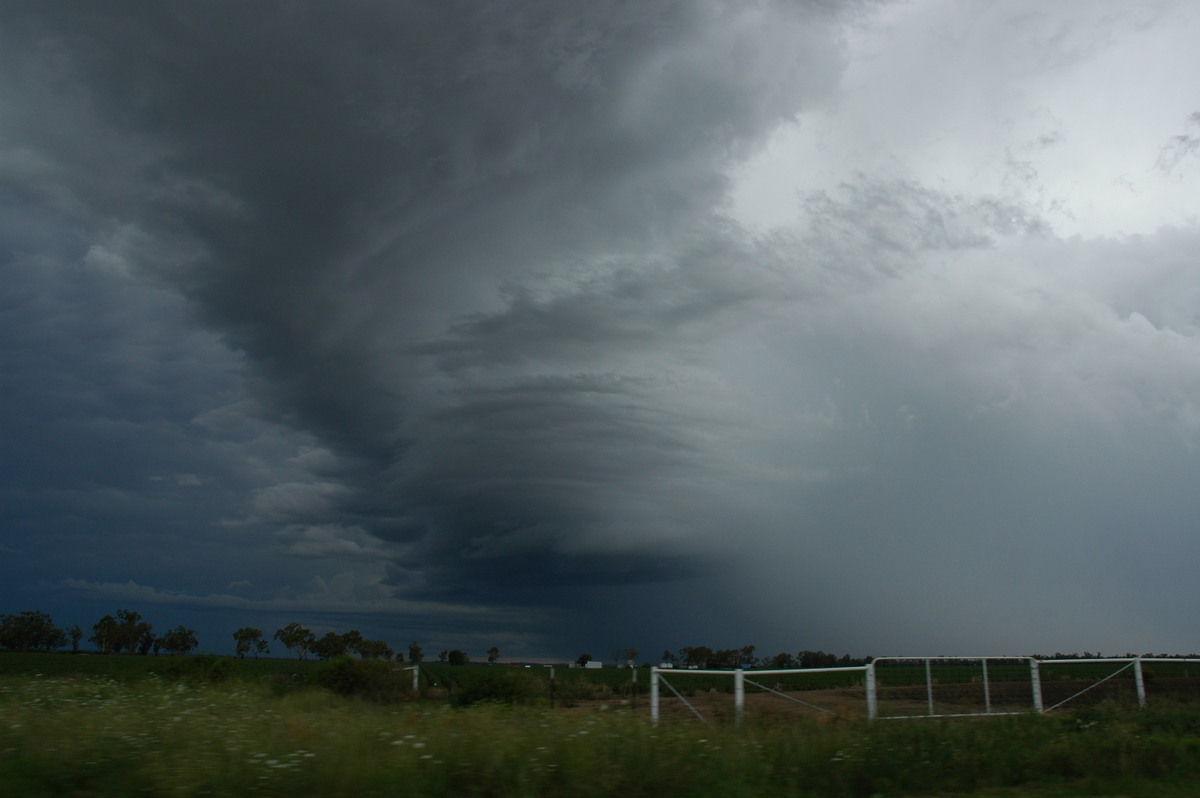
x=371 y=679
x=500 y=688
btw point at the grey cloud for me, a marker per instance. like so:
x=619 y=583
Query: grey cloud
x=357 y=228
x=1011 y=424
x=624 y=308
x=435 y=311
x=344 y=196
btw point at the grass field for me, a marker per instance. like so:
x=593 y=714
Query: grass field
x=127 y=728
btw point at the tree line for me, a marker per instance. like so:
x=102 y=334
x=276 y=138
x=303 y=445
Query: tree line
x=128 y=632
x=32 y=630
x=744 y=657
x=301 y=641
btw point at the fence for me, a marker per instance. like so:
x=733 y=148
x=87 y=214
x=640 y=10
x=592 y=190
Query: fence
x=925 y=687
x=1087 y=681
x=785 y=685
x=907 y=687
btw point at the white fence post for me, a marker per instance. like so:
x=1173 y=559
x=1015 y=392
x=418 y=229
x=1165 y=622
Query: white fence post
x=1035 y=679
x=654 y=696
x=416 y=669
x=929 y=685
x=872 y=706
x=987 y=693
x=739 y=695
x=1140 y=682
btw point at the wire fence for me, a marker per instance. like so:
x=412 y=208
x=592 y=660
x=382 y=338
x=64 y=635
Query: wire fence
x=922 y=687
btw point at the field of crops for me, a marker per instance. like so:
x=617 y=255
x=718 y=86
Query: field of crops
x=128 y=725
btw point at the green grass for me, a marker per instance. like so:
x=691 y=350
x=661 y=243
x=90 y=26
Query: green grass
x=102 y=735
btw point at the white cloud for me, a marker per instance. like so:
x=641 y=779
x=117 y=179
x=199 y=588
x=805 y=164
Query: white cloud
x=1004 y=99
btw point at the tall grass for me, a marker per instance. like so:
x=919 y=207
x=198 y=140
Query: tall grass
x=100 y=736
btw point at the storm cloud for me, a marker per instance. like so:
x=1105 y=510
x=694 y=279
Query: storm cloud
x=565 y=326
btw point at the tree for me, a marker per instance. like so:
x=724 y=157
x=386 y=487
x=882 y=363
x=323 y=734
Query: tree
x=30 y=630
x=353 y=639
x=696 y=656
x=493 y=655
x=261 y=647
x=442 y=655
x=668 y=658
x=330 y=646
x=248 y=638
x=583 y=659
x=296 y=637
x=415 y=654
x=180 y=640
x=146 y=640
x=131 y=630
x=457 y=657
x=817 y=659
x=76 y=635
x=377 y=649
x=106 y=635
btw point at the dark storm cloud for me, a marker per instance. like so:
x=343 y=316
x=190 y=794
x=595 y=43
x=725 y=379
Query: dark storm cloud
x=451 y=316
x=452 y=241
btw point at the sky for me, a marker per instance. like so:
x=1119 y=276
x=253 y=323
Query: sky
x=562 y=327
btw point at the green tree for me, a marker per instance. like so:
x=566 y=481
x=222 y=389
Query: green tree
x=456 y=657
x=330 y=645
x=732 y=657
x=131 y=631
x=415 y=655
x=442 y=655
x=583 y=659
x=817 y=659
x=180 y=640
x=29 y=631
x=106 y=635
x=493 y=655
x=353 y=639
x=377 y=649
x=245 y=639
x=296 y=638
x=696 y=656
x=76 y=635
